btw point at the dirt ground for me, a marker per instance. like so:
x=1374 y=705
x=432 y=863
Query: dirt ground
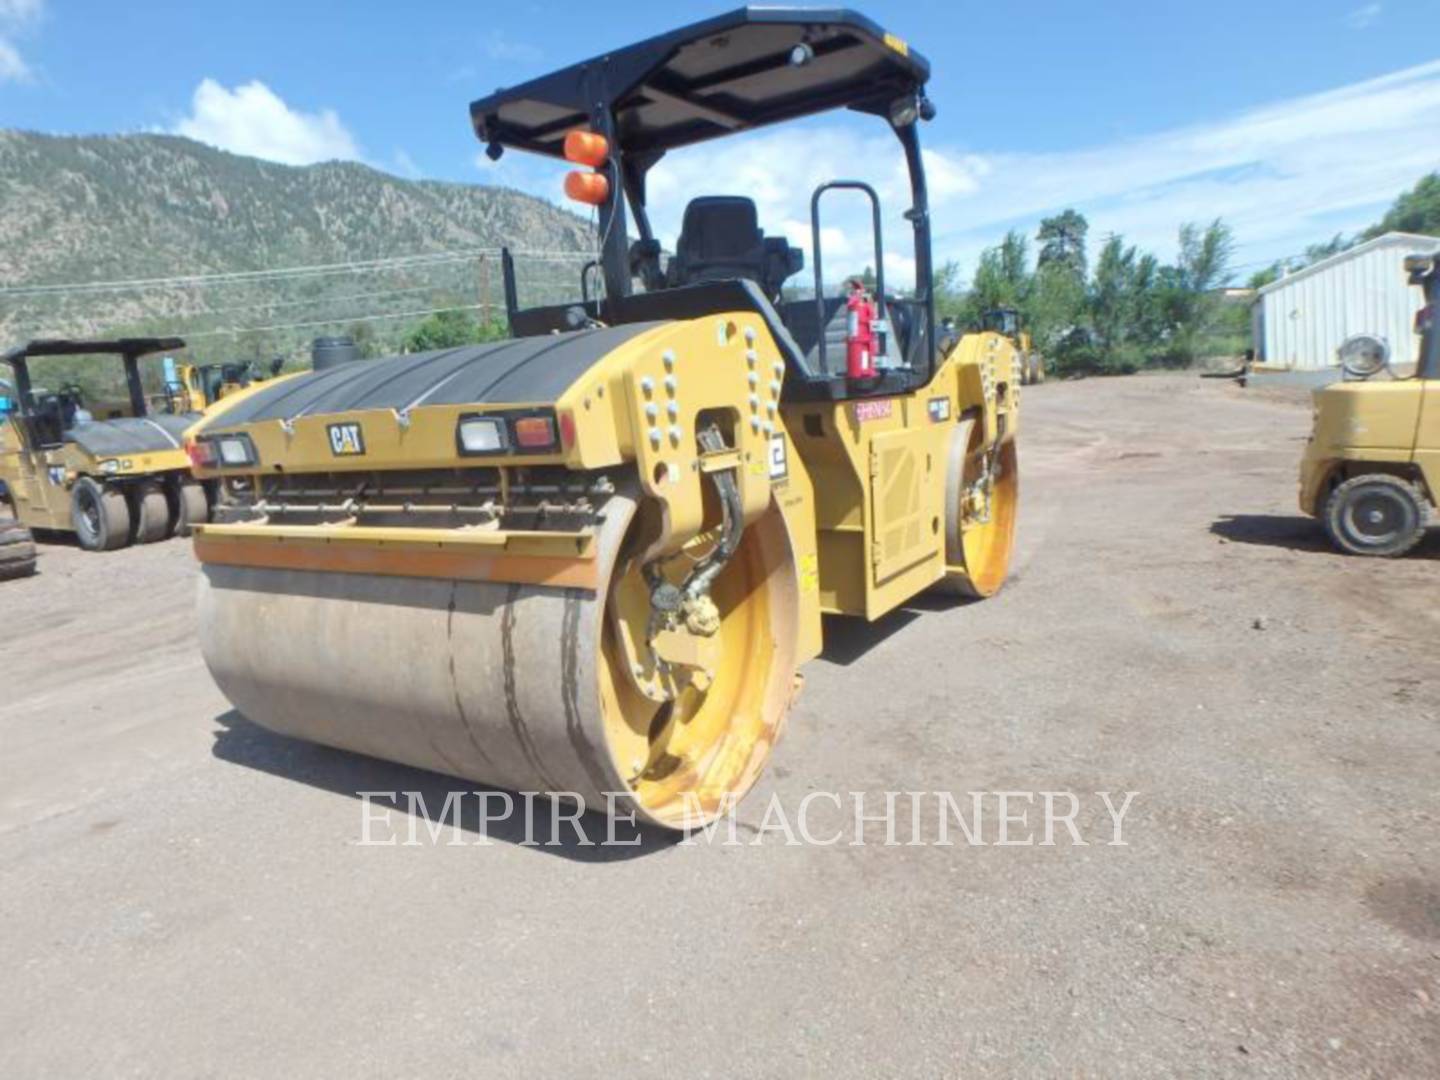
x=187 y=895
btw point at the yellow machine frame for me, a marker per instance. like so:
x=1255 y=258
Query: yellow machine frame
x=863 y=487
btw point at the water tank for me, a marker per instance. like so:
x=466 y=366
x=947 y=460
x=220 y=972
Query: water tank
x=326 y=352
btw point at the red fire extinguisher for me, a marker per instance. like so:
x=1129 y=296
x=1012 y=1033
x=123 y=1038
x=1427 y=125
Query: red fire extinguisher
x=860 y=334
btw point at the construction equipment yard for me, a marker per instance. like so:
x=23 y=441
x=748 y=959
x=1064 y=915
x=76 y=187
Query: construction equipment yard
x=188 y=894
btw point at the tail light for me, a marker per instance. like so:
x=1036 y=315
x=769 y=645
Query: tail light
x=527 y=431
x=222 y=452
x=535 y=432
x=201 y=454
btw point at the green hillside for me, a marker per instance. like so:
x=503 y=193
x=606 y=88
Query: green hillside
x=120 y=208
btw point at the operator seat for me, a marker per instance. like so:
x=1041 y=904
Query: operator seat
x=720 y=239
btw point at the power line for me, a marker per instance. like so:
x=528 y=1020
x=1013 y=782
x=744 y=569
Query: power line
x=330 y=322
x=345 y=319
x=314 y=301
x=403 y=262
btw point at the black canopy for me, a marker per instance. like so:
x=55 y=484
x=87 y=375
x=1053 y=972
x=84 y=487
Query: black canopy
x=129 y=349
x=72 y=347
x=750 y=67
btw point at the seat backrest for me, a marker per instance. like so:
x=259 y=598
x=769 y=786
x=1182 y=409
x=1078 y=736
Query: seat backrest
x=720 y=239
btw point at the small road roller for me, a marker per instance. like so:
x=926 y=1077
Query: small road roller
x=1371 y=470
x=589 y=560
x=1009 y=321
x=113 y=472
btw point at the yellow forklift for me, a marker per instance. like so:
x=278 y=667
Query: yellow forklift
x=1371 y=471
x=112 y=471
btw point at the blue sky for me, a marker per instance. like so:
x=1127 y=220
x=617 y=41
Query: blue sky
x=1292 y=120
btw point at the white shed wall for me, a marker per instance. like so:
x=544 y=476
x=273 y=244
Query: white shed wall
x=1301 y=320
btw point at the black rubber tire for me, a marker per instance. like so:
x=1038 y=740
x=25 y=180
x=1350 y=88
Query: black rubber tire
x=100 y=515
x=1376 y=514
x=192 y=506
x=17 y=550
x=149 y=513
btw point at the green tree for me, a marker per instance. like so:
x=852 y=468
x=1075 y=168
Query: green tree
x=366 y=339
x=1055 y=311
x=1260 y=278
x=1192 y=304
x=1205 y=255
x=449 y=329
x=1415 y=211
x=1336 y=244
x=952 y=299
x=1062 y=243
x=1114 y=299
x=1014 y=262
x=1002 y=278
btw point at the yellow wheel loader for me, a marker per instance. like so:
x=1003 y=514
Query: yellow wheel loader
x=591 y=560
x=200 y=386
x=1371 y=471
x=113 y=472
x=1008 y=321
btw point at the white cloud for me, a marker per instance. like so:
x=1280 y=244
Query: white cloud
x=20 y=11
x=252 y=119
x=405 y=164
x=12 y=65
x=498 y=46
x=16 y=16
x=780 y=167
x=1363 y=16
x=1284 y=175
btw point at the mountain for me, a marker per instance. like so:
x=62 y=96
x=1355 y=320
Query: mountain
x=107 y=208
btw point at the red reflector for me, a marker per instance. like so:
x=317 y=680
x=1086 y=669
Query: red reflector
x=202 y=455
x=535 y=432
x=567 y=430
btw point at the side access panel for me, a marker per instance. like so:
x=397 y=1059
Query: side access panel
x=900 y=533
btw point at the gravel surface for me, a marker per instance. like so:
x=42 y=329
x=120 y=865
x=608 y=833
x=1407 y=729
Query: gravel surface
x=187 y=895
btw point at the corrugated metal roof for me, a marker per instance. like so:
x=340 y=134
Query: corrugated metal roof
x=1425 y=244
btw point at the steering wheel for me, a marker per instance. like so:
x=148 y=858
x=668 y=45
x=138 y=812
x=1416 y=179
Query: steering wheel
x=73 y=393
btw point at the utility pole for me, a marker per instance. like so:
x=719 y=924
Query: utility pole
x=485 y=290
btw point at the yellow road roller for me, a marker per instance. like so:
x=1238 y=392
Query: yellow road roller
x=591 y=558
x=112 y=470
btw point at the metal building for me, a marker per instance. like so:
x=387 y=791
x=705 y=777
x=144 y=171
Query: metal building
x=1299 y=321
